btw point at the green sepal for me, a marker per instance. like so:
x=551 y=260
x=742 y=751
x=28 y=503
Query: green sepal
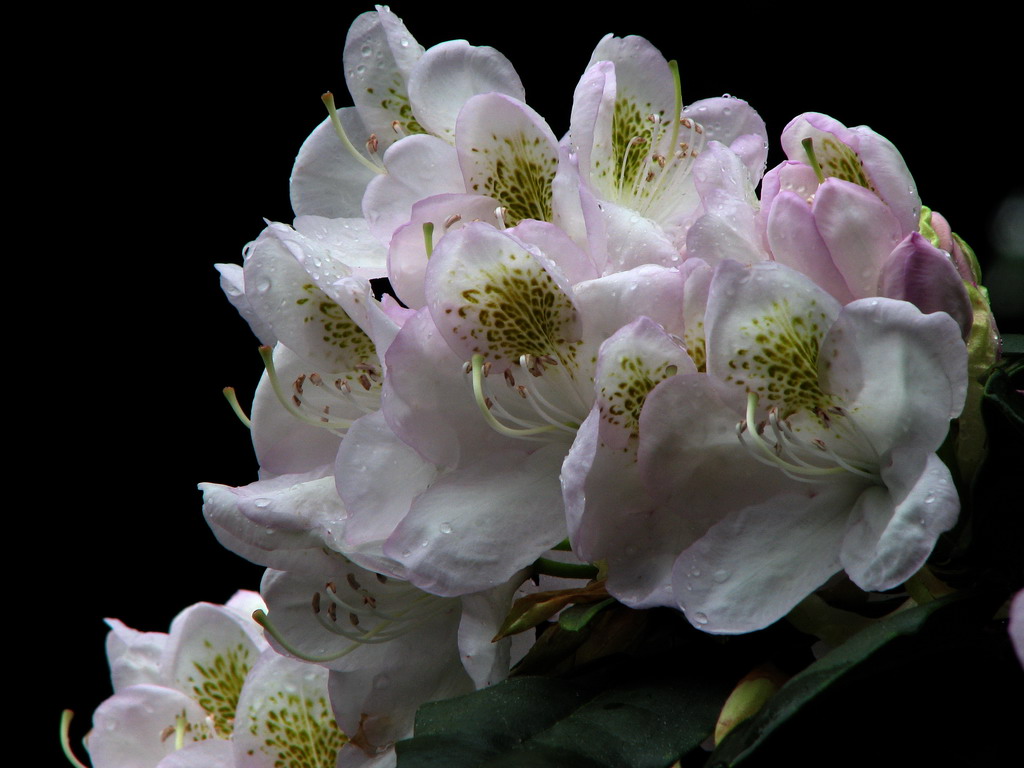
x=527 y=612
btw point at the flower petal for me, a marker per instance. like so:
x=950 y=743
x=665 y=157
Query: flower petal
x=449 y=74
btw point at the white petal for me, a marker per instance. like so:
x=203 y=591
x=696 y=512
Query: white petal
x=449 y=74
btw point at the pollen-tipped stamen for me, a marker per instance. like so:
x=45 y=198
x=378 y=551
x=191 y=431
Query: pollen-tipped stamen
x=485 y=409
x=328 y=100
x=783 y=453
x=293 y=404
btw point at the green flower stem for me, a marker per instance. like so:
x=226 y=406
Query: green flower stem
x=565 y=570
x=563 y=546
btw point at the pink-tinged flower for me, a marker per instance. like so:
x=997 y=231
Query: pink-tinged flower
x=807 y=448
x=176 y=689
x=845 y=211
x=635 y=148
x=399 y=91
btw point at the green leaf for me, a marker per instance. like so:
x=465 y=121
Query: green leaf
x=576 y=617
x=888 y=644
x=637 y=715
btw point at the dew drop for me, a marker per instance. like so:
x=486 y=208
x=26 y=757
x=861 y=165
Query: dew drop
x=720 y=576
x=261 y=503
x=424 y=543
x=695 y=572
x=700 y=618
x=929 y=499
x=360 y=69
x=406 y=553
x=446 y=528
x=404 y=42
x=262 y=285
x=366 y=50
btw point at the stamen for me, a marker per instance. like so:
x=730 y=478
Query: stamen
x=180 y=726
x=372 y=144
x=481 y=399
x=232 y=398
x=808 y=145
x=428 y=237
x=293 y=404
x=65 y=738
x=328 y=100
x=784 y=453
x=455 y=217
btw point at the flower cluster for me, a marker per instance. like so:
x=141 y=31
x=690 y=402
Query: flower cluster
x=606 y=342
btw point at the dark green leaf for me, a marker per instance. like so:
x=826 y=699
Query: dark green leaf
x=890 y=643
x=635 y=717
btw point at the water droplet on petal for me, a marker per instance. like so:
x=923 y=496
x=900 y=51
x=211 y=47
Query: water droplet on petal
x=366 y=50
x=424 y=543
x=720 y=576
x=700 y=618
x=261 y=503
x=262 y=285
x=929 y=499
x=404 y=42
x=695 y=572
x=446 y=528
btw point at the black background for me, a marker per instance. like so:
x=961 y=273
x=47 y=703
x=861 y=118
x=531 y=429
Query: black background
x=165 y=142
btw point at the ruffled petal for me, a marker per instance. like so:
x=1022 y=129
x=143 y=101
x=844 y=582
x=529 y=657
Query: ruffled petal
x=893 y=528
x=451 y=73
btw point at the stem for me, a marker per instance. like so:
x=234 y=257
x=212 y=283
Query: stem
x=543 y=565
x=563 y=546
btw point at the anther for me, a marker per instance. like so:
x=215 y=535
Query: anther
x=396 y=126
x=295 y=399
x=650 y=176
x=351 y=579
x=486 y=369
x=343 y=386
x=488 y=402
x=381 y=578
x=365 y=381
x=455 y=217
x=353 y=620
x=330 y=585
x=332 y=611
x=522 y=391
x=659 y=159
x=372 y=144
x=369 y=599
x=298 y=383
x=316 y=602
x=509 y=379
